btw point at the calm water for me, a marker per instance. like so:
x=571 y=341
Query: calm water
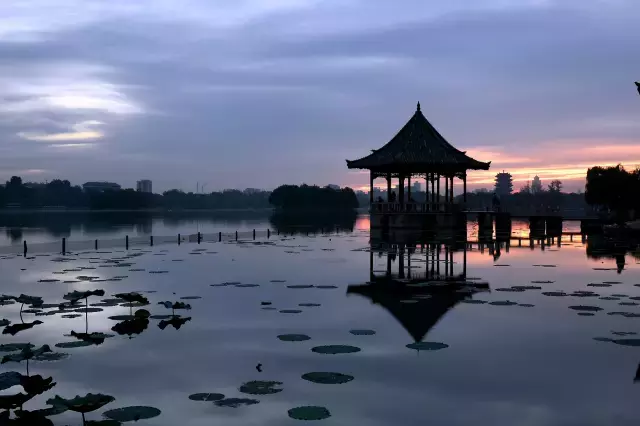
x=495 y=364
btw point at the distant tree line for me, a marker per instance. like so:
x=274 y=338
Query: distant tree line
x=614 y=190
x=61 y=194
x=287 y=197
x=528 y=200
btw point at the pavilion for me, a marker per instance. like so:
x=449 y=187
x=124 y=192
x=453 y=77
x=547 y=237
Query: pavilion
x=418 y=150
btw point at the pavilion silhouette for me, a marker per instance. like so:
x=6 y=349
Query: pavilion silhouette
x=417 y=301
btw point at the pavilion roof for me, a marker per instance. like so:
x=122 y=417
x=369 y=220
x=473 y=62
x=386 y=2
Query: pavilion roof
x=418 y=147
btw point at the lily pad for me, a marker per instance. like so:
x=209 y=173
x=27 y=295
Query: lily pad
x=474 y=302
x=258 y=387
x=503 y=303
x=326 y=287
x=17 y=328
x=207 y=397
x=160 y=317
x=88 y=310
x=586 y=314
x=327 y=378
x=427 y=346
x=293 y=337
x=309 y=305
x=82 y=404
x=235 y=402
x=526 y=305
x=335 y=349
x=362 y=332
x=309 y=413
x=191 y=297
x=71 y=316
x=76 y=344
x=290 y=311
x=132 y=414
x=555 y=293
x=299 y=286
x=121 y=317
x=585 y=308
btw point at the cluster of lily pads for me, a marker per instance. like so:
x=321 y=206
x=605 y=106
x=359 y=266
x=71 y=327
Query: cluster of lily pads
x=134 y=323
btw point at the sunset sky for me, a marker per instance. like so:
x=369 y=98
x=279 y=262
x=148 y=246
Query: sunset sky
x=257 y=93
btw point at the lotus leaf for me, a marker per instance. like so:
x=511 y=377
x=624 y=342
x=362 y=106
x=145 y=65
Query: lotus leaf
x=131 y=326
x=293 y=337
x=335 y=349
x=235 y=402
x=132 y=414
x=309 y=413
x=208 y=397
x=258 y=387
x=10 y=347
x=427 y=346
x=175 y=321
x=74 y=296
x=327 y=378
x=17 y=328
x=362 y=332
x=10 y=402
x=82 y=404
x=132 y=297
x=26 y=353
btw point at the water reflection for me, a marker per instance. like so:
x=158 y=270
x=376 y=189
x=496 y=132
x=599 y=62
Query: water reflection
x=419 y=285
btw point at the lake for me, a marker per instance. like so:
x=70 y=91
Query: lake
x=356 y=329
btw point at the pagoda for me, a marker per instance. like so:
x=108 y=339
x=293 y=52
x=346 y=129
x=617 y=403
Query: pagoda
x=417 y=151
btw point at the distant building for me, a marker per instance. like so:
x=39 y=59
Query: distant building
x=536 y=185
x=144 y=185
x=504 y=184
x=250 y=191
x=334 y=187
x=101 y=186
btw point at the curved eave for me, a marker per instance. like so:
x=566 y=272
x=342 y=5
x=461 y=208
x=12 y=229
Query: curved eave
x=471 y=165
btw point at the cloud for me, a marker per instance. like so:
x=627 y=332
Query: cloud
x=80 y=132
x=282 y=91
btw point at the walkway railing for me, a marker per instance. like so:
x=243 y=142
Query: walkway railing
x=65 y=245
x=417 y=208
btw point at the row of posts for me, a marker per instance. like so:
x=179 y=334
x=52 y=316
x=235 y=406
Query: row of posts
x=198 y=236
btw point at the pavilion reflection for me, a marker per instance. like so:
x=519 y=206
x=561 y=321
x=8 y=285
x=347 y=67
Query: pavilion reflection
x=421 y=282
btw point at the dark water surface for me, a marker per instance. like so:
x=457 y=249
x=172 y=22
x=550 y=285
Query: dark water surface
x=530 y=362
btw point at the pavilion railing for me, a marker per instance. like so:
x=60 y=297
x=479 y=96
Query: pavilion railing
x=415 y=208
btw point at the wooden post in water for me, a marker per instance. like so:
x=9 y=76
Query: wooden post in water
x=199 y=237
x=236 y=235
x=126 y=242
x=219 y=236
x=254 y=234
x=24 y=245
x=95 y=245
x=268 y=233
x=151 y=240
x=64 y=245
x=178 y=239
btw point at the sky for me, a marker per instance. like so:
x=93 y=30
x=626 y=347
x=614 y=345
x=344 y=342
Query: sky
x=258 y=93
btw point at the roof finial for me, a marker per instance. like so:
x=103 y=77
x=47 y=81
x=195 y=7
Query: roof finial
x=418 y=106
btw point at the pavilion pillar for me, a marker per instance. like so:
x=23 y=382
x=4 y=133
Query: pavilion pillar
x=371 y=187
x=426 y=188
x=451 y=190
x=408 y=187
x=433 y=187
x=464 y=189
x=388 y=187
x=401 y=190
x=438 y=189
x=446 y=190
